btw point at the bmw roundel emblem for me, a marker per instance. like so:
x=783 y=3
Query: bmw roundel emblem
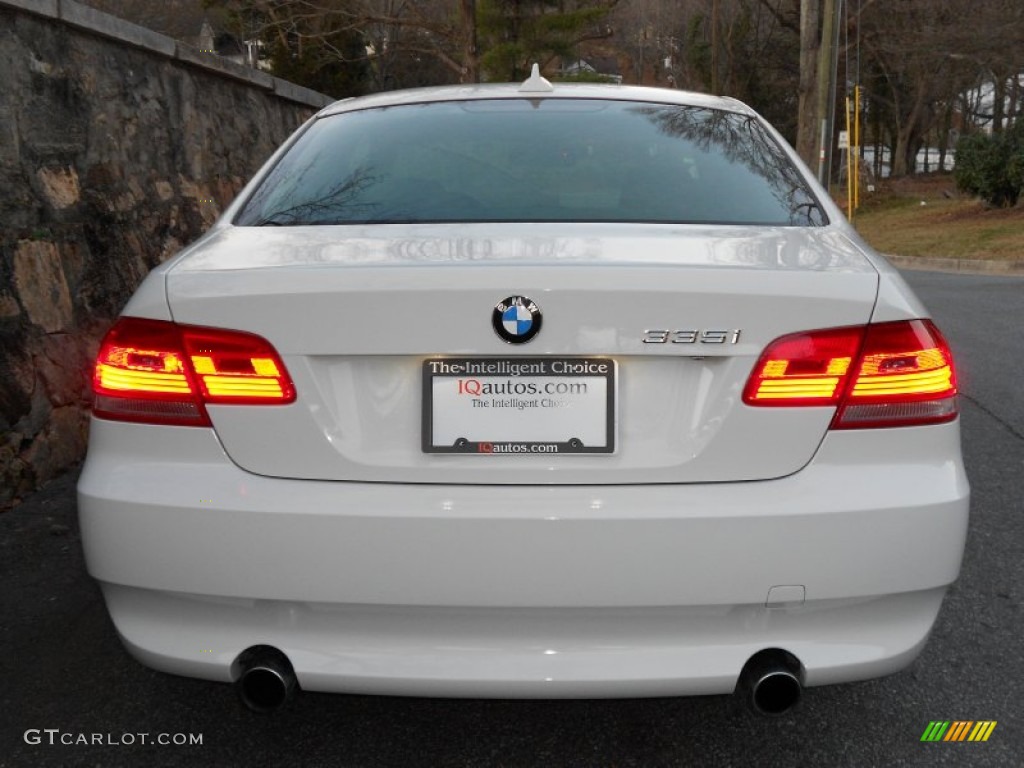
x=516 y=319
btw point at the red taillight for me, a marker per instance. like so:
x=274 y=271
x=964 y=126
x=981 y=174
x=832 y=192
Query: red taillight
x=804 y=368
x=160 y=372
x=905 y=375
x=882 y=375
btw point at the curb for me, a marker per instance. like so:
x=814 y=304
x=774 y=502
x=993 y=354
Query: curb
x=1007 y=268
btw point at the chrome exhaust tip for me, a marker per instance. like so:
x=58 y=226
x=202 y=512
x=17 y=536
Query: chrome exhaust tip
x=264 y=678
x=771 y=682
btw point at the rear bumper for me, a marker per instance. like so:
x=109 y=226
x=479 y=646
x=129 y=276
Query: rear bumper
x=522 y=653
x=524 y=590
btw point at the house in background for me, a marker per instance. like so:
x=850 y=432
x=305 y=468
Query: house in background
x=604 y=69
x=207 y=29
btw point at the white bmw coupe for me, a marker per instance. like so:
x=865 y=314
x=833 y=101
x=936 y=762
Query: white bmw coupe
x=526 y=391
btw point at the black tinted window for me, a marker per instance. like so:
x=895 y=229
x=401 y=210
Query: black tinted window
x=534 y=160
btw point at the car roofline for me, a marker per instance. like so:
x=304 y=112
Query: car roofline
x=606 y=92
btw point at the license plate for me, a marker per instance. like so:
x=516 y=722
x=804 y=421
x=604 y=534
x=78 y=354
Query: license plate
x=519 y=406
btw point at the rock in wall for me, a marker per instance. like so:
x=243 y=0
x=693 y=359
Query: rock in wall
x=117 y=147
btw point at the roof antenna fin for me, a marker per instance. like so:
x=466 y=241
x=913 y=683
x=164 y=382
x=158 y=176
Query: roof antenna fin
x=535 y=83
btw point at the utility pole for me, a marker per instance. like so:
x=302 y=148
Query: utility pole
x=827 y=61
x=807 y=120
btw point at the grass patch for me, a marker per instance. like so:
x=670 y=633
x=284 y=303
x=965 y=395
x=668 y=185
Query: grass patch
x=925 y=217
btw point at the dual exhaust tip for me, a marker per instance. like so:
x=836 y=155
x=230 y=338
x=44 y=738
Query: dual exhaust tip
x=771 y=681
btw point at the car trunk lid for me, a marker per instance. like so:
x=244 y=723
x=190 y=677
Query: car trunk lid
x=362 y=316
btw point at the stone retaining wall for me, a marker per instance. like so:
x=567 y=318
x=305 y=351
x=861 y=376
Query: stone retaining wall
x=117 y=147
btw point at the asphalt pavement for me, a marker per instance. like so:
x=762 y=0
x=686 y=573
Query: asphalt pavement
x=64 y=676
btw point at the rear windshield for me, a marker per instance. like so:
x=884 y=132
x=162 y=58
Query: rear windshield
x=526 y=160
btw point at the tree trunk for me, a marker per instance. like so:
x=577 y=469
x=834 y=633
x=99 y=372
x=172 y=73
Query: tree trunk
x=1011 y=114
x=944 y=129
x=470 y=59
x=714 y=48
x=908 y=131
x=808 y=117
x=899 y=155
x=908 y=143
x=998 y=101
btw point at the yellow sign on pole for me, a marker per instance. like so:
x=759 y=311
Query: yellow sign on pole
x=849 y=164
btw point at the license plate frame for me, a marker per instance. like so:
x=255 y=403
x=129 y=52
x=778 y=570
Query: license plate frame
x=515 y=401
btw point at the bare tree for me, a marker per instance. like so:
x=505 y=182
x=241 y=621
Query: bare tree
x=443 y=31
x=926 y=52
x=449 y=32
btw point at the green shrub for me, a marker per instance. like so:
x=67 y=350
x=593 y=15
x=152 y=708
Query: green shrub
x=1015 y=159
x=992 y=167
